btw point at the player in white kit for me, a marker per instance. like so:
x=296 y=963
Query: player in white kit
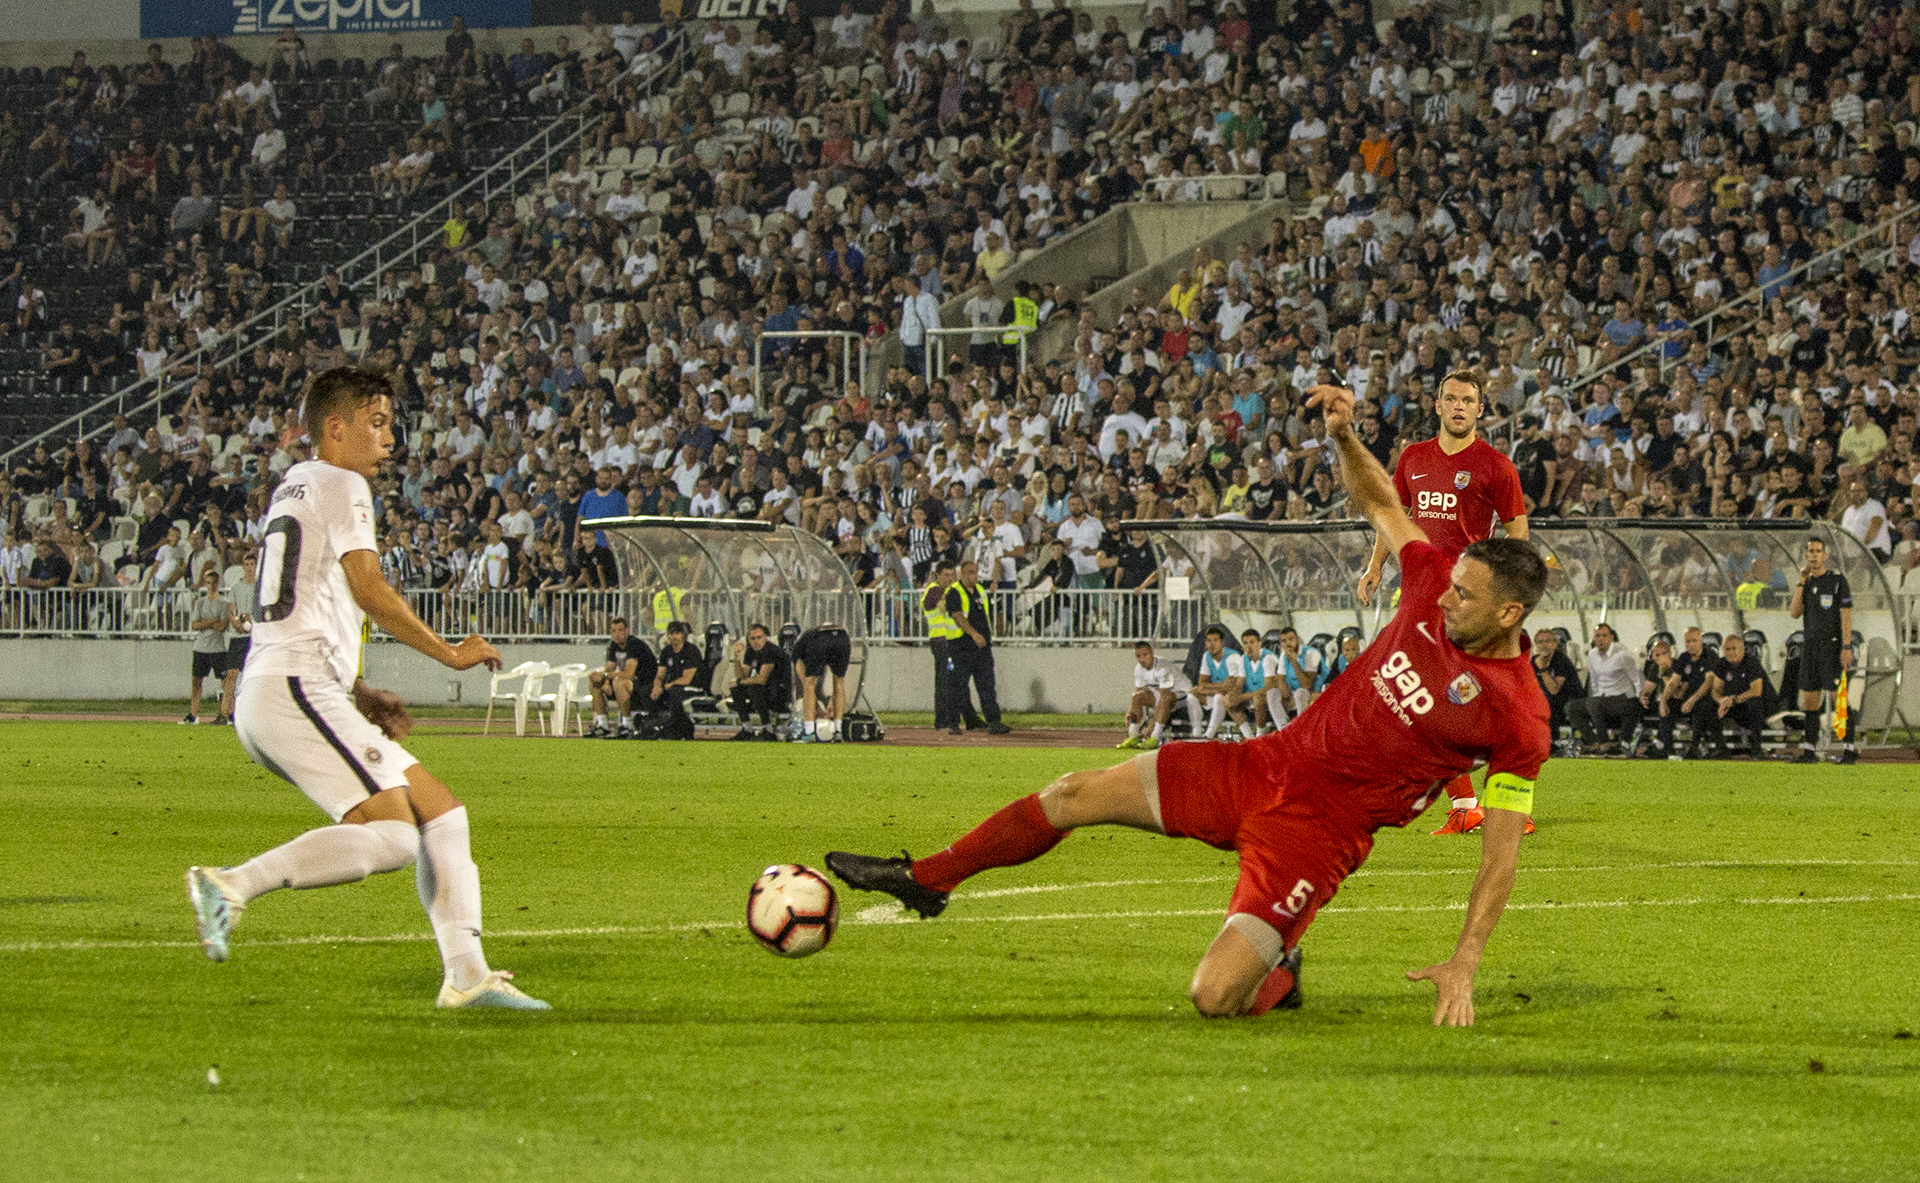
x=1156 y=686
x=304 y=715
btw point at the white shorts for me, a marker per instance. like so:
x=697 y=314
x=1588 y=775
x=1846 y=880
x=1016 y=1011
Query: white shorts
x=307 y=731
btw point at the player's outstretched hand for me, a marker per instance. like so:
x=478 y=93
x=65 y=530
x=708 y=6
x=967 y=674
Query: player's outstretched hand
x=1369 y=580
x=475 y=651
x=1454 y=986
x=384 y=710
x=1335 y=403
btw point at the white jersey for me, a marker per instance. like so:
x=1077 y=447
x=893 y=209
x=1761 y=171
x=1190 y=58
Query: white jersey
x=308 y=624
x=1163 y=676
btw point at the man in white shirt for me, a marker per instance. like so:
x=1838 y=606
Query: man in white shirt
x=1003 y=548
x=304 y=714
x=1157 y=684
x=640 y=267
x=496 y=558
x=620 y=453
x=491 y=289
x=1866 y=520
x=849 y=30
x=516 y=523
x=919 y=311
x=626 y=35
x=466 y=438
x=1080 y=533
x=706 y=502
x=625 y=205
x=731 y=53
x=1233 y=311
x=800 y=200
x=1612 y=703
x=1122 y=418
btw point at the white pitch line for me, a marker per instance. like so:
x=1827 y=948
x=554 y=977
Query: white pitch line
x=1694 y=864
x=893 y=914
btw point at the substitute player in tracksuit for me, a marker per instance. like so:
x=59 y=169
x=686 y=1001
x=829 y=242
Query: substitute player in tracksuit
x=1455 y=486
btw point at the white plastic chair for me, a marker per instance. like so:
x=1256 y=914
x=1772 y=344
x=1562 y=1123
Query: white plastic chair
x=524 y=680
x=542 y=698
x=572 y=692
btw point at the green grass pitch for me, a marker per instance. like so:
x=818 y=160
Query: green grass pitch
x=1708 y=974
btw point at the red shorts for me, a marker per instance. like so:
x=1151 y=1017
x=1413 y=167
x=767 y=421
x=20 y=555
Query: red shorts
x=1294 y=853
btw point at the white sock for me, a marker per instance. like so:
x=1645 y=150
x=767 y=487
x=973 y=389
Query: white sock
x=1159 y=729
x=1216 y=715
x=1193 y=711
x=1277 y=709
x=809 y=728
x=449 y=886
x=599 y=720
x=1133 y=729
x=1466 y=802
x=1246 y=731
x=329 y=855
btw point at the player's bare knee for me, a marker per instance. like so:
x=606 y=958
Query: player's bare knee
x=1214 y=997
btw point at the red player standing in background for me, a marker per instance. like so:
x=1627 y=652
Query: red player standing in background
x=1455 y=486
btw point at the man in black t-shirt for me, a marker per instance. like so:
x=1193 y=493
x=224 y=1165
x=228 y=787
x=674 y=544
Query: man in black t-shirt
x=762 y=682
x=598 y=571
x=1824 y=600
x=1134 y=568
x=628 y=661
x=1559 y=681
x=1267 y=495
x=1696 y=669
x=679 y=667
x=1657 y=683
x=1740 y=696
x=822 y=649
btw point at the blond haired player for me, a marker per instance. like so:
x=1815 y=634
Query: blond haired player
x=305 y=716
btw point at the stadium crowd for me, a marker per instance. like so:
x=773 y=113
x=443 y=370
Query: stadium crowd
x=1551 y=206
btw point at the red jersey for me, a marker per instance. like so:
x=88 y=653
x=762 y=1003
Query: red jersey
x=1413 y=712
x=1455 y=500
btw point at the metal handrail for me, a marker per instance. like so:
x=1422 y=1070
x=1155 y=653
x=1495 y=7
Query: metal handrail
x=165 y=383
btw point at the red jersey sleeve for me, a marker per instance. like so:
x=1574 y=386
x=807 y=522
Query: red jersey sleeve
x=1508 y=501
x=1426 y=572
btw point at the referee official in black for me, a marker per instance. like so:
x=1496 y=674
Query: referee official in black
x=973 y=654
x=1825 y=601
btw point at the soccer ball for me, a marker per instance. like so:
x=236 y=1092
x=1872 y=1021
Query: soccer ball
x=792 y=910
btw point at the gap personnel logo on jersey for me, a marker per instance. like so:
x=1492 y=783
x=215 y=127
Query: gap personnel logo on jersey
x=1461 y=478
x=1398 y=685
x=1463 y=690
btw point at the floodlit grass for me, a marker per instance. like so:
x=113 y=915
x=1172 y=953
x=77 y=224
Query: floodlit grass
x=1671 y=999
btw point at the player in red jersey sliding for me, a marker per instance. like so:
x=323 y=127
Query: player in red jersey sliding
x=1456 y=486
x=1447 y=685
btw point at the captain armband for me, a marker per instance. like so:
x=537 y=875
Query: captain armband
x=1507 y=791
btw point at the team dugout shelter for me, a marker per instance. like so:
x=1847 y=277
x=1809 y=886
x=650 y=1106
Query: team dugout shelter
x=719 y=576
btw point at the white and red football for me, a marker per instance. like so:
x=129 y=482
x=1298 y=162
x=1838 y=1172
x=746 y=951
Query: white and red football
x=792 y=910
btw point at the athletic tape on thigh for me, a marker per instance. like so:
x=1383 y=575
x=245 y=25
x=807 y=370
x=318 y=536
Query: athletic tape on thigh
x=1265 y=938
x=1507 y=791
x=1149 y=772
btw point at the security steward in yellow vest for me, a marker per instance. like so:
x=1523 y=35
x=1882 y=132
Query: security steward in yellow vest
x=973 y=657
x=945 y=608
